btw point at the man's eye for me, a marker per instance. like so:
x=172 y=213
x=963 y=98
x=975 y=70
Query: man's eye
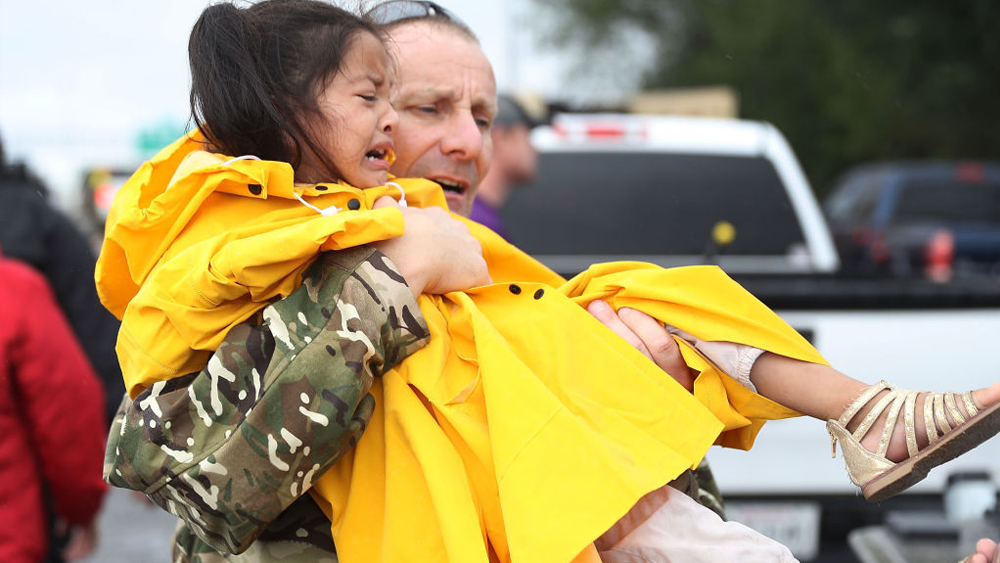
x=368 y=97
x=429 y=110
x=484 y=123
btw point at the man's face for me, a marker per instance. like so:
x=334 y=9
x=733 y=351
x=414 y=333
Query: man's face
x=514 y=154
x=446 y=99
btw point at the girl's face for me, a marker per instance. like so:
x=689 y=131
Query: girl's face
x=356 y=133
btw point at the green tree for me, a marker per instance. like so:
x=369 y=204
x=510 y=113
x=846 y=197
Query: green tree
x=846 y=81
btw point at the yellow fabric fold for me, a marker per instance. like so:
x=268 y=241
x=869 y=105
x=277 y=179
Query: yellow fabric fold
x=528 y=417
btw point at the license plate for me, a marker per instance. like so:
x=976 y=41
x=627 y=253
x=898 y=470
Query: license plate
x=794 y=524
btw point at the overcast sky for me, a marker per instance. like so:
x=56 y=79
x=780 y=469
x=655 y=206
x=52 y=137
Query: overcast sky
x=80 y=79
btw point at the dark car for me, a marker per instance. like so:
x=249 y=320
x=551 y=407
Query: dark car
x=918 y=219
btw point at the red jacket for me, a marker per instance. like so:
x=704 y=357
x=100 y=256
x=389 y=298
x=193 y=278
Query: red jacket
x=52 y=428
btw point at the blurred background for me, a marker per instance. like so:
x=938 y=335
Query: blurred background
x=105 y=82
x=846 y=82
x=873 y=98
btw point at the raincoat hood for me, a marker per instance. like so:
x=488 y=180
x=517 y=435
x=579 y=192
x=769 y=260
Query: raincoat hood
x=191 y=240
x=155 y=214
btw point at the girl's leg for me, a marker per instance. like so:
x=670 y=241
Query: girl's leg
x=822 y=392
x=827 y=394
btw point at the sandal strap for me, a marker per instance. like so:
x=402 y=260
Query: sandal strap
x=939 y=416
x=970 y=405
x=932 y=435
x=866 y=424
x=898 y=400
x=909 y=422
x=861 y=401
x=952 y=405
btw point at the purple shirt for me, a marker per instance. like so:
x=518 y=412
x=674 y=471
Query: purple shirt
x=487 y=215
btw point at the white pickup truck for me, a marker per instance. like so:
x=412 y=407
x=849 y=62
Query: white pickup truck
x=673 y=191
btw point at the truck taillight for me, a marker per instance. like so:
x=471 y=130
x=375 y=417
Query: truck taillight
x=939 y=256
x=970 y=172
x=104 y=194
x=879 y=251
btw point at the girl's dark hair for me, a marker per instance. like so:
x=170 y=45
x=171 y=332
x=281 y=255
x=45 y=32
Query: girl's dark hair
x=256 y=72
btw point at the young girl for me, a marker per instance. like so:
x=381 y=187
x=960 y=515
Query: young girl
x=520 y=422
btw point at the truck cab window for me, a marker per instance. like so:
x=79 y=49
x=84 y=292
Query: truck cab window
x=616 y=203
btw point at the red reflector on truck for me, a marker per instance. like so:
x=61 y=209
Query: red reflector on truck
x=970 y=172
x=601 y=132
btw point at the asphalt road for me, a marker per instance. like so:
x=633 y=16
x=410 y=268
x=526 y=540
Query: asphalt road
x=136 y=531
x=132 y=531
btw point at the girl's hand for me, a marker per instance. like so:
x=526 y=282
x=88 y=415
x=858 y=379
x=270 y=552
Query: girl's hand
x=436 y=253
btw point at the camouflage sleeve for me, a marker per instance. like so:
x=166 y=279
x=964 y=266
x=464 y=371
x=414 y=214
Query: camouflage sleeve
x=231 y=447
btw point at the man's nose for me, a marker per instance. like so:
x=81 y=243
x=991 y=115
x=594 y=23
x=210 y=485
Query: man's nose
x=464 y=138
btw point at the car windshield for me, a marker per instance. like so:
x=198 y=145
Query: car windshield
x=672 y=202
x=948 y=201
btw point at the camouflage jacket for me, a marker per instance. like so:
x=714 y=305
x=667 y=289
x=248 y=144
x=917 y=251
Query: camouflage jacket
x=231 y=450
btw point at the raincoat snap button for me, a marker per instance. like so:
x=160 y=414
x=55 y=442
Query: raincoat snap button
x=321 y=188
x=354 y=205
x=255 y=189
x=539 y=293
x=515 y=289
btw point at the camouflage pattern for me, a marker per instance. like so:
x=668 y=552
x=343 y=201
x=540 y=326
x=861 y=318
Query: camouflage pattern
x=233 y=447
x=699 y=484
x=300 y=534
x=707 y=492
x=232 y=450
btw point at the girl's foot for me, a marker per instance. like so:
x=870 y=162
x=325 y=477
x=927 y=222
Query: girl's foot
x=897 y=450
x=891 y=438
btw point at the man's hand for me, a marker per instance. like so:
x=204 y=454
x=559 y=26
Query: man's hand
x=436 y=253
x=987 y=551
x=648 y=336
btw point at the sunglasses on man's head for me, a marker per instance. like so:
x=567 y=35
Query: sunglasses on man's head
x=399 y=10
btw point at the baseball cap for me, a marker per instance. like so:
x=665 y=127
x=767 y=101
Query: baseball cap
x=511 y=111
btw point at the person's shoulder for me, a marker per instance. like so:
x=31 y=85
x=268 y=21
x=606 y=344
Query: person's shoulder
x=22 y=279
x=13 y=189
x=16 y=272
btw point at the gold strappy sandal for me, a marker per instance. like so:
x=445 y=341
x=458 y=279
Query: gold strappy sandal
x=880 y=478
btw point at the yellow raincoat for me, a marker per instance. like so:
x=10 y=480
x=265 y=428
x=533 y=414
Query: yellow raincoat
x=521 y=432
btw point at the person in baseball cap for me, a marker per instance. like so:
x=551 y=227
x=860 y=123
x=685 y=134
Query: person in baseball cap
x=515 y=160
